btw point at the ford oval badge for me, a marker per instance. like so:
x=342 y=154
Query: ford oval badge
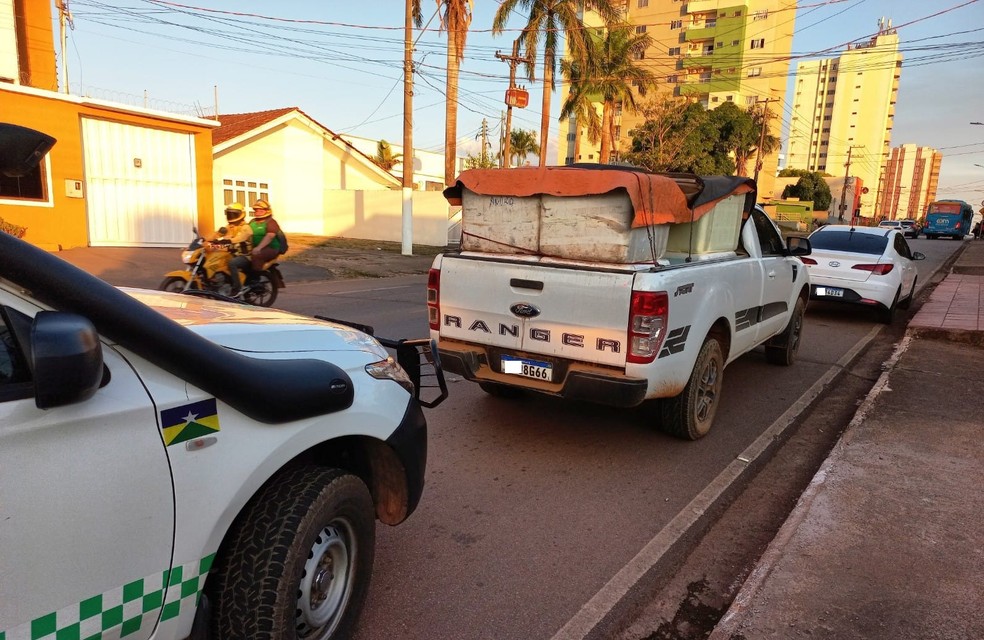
x=524 y=310
x=834 y=263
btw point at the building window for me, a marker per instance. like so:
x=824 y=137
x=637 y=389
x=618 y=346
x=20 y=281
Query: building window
x=244 y=191
x=827 y=130
x=671 y=79
x=570 y=137
x=714 y=99
x=735 y=43
x=569 y=160
x=730 y=98
x=826 y=117
x=832 y=79
x=643 y=3
x=720 y=44
x=732 y=70
x=737 y=14
x=676 y=24
x=618 y=132
x=674 y=51
x=755 y=72
x=639 y=55
x=830 y=104
x=641 y=29
x=760 y=15
x=32 y=187
x=758 y=43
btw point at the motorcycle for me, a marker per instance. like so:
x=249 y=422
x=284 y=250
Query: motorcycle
x=208 y=271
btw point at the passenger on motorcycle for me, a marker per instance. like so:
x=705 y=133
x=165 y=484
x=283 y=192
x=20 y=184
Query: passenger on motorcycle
x=238 y=238
x=266 y=247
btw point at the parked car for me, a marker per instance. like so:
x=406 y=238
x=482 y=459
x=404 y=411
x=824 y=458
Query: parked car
x=910 y=228
x=890 y=224
x=871 y=266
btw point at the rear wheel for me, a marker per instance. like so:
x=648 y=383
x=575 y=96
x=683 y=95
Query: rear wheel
x=905 y=304
x=782 y=349
x=689 y=415
x=261 y=290
x=297 y=564
x=887 y=314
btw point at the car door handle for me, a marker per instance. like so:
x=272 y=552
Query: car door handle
x=772 y=275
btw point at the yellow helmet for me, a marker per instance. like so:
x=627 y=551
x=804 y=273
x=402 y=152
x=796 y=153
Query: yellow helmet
x=234 y=212
x=261 y=209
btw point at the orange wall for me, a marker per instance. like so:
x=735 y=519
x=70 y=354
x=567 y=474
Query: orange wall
x=36 y=45
x=64 y=225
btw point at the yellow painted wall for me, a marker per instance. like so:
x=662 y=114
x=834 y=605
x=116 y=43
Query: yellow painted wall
x=377 y=215
x=62 y=223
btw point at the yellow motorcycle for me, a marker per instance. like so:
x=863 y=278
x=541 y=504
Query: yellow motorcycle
x=207 y=271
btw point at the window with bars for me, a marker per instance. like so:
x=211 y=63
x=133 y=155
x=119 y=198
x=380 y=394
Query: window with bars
x=643 y=3
x=641 y=28
x=676 y=24
x=674 y=51
x=758 y=43
x=244 y=191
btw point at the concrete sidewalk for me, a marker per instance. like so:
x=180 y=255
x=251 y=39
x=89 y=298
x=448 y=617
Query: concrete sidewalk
x=888 y=539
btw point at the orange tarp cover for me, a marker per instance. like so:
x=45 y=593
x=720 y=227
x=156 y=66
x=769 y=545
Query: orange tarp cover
x=656 y=199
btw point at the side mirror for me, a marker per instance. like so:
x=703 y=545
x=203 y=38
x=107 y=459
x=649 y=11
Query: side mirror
x=65 y=357
x=918 y=255
x=797 y=246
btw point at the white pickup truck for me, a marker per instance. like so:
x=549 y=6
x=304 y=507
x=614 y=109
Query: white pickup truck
x=614 y=286
x=173 y=466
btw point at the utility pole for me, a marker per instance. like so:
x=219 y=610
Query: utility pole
x=64 y=17
x=485 y=140
x=842 y=207
x=502 y=140
x=406 y=247
x=513 y=60
x=765 y=127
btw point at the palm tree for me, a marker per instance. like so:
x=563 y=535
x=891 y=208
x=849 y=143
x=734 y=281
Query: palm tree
x=579 y=104
x=522 y=142
x=549 y=19
x=456 y=18
x=385 y=157
x=613 y=73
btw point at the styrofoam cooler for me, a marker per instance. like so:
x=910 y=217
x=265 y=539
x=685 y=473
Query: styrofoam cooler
x=500 y=224
x=715 y=231
x=597 y=228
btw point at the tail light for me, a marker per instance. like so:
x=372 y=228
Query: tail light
x=877 y=269
x=434 y=299
x=648 y=317
x=806 y=260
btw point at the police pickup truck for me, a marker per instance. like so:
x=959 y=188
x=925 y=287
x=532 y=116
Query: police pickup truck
x=173 y=466
x=615 y=286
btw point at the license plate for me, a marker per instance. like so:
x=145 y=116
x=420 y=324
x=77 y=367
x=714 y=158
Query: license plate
x=830 y=292
x=527 y=368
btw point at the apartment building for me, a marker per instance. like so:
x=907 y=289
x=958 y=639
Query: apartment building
x=912 y=174
x=843 y=110
x=712 y=51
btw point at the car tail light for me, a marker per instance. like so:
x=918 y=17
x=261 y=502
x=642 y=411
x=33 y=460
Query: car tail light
x=434 y=299
x=877 y=269
x=806 y=260
x=648 y=317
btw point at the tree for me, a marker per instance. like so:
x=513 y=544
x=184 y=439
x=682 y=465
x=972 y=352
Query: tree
x=385 y=157
x=580 y=103
x=522 y=142
x=678 y=136
x=484 y=161
x=799 y=173
x=612 y=74
x=455 y=19
x=811 y=187
x=740 y=132
x=550 y=19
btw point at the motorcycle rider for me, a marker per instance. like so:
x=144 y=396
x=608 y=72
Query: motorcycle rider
x=239 y=236
x=266 y=247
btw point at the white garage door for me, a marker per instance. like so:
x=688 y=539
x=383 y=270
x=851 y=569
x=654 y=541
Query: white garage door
x=139 y=185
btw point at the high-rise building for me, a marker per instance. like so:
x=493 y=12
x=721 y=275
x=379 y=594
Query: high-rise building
x=843 y=110
x=711 y=51
x=912 y=175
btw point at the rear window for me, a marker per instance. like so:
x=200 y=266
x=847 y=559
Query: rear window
x=849 y=241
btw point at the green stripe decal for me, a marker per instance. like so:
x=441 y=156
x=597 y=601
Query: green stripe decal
x=122 y=611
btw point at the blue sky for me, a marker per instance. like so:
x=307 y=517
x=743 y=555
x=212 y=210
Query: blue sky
x=343 y=66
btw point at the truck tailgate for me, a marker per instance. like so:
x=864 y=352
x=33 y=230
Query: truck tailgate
x=537 y=309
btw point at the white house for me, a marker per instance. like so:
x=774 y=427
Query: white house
x=316 y=181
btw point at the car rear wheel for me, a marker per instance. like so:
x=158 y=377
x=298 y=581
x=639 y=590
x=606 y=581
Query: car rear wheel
x=782 y=348
x=905 y=304
x=887 y=314
x=689 y=415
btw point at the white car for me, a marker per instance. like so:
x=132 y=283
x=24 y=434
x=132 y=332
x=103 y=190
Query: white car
x=871 y=266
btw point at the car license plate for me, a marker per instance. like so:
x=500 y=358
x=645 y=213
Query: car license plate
x=830 y=292
x=527 y=368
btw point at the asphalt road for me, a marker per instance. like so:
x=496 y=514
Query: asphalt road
x=533 y=505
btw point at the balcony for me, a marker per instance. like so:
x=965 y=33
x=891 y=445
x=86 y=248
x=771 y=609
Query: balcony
x=702 y=32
